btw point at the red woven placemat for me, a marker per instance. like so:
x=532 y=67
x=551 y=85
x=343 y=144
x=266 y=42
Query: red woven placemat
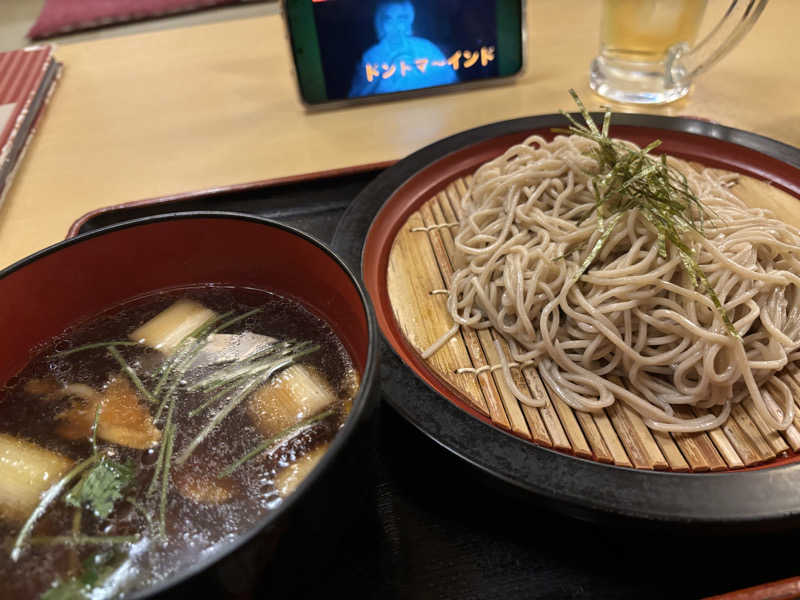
x=64 y=16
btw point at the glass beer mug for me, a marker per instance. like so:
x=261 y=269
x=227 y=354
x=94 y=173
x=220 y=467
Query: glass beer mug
x=648 y=53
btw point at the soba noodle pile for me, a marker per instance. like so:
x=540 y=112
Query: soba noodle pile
x=633 y=328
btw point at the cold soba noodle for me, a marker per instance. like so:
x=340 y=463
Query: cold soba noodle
x=136 y=443
x=607 y=310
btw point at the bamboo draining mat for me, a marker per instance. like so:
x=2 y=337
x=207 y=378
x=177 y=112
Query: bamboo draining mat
x=420 y=263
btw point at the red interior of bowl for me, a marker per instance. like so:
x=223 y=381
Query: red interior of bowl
x=81 y=278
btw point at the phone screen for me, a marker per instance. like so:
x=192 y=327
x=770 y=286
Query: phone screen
x=348 y=49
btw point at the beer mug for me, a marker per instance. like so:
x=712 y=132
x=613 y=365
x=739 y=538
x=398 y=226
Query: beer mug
x=648 y=53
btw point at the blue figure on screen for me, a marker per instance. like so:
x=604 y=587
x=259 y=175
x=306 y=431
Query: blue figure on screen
x=399 y=61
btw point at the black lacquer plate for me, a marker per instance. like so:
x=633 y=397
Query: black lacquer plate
x=750 y=500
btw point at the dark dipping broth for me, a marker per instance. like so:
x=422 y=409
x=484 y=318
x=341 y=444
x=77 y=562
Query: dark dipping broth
x=74 y=549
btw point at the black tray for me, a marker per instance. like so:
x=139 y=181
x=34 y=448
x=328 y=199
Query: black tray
x=434 y=527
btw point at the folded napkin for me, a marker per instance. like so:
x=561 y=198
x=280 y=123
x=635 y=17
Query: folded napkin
x=64 y=16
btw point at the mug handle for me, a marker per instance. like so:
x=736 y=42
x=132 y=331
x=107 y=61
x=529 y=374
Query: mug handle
x=684 y=64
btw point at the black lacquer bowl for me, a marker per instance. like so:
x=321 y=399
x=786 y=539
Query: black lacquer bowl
x=747 y=500
x=101 y=269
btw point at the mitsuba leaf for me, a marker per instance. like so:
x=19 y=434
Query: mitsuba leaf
x=102 y=487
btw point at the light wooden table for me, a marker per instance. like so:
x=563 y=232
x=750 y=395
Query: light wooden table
x=187 y=109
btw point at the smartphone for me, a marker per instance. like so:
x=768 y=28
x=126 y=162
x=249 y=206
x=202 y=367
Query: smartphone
x=352 y=50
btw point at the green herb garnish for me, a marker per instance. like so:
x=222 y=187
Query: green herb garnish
x=629 y=178
x=74 y=588
x=233 y=320
x=257 y=373
x=128 y=370
x=162 y=504
x=99 y=482
x=95 y=423
x=52 y=493
x=276 y=441
x=102 y=486
x=227 y=389
x=260 y=362
x=83 y=540
x=94 y=346
x=95 y=570
x=185 y=352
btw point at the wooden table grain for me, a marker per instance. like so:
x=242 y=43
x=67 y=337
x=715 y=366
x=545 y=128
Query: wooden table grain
x=216 y=105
